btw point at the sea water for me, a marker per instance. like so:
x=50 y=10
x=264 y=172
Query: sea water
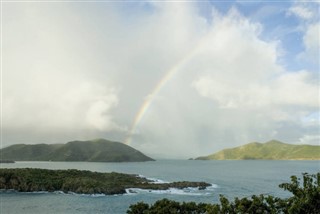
x=229 y=178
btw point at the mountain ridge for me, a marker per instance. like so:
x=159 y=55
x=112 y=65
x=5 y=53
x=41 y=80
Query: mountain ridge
x=97 y=150
x=270 y=150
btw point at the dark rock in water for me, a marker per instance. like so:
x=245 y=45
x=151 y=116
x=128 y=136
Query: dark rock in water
x=202 y=187
x=131 y=191
x=83 y=182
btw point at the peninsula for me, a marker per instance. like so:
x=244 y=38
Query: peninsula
x=82 y=182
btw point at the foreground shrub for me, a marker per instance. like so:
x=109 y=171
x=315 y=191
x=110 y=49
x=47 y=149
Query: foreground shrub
x=305 y=200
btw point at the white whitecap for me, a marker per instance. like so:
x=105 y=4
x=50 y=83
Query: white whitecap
x=212 y=187
x=173 y=191
x=154 y=180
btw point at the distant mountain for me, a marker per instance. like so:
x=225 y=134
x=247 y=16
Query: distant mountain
x=99 y=150
x=271 y=150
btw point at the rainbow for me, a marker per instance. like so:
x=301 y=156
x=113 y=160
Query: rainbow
x=168 y=75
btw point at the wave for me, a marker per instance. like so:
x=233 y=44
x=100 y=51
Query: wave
x=154 y=180
x=159 y=181
x=174 y=191
x=212 y=187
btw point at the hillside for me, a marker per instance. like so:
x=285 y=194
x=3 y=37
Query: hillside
x=99 y=150
x=271 y=150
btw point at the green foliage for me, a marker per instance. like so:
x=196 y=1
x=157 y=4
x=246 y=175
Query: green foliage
x=305 y=200
x=139 y=208
x=99 y=150
x=166 y=206
x=272 y=150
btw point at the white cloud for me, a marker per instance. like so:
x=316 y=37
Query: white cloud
x=235 y=74
x=79 y=105
x=52 y=81
x=301 y=12
x=309 y=25
x=312 y=42
x=310 y=139
x=243 y=72
x=98 y=114
x=294 y=89
x=250 y=97
x=85 y=71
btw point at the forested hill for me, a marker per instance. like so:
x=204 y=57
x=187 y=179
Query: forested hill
x=99 y=150
x=271 y=150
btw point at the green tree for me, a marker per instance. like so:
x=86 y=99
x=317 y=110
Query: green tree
x=139 y=208
x=305 y=200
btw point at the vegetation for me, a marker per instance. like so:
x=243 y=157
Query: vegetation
x=84 y=182
x=305 y=199
x=99 y=150
x=272 y=150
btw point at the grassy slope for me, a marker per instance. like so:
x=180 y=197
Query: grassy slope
x=96 y=150
x=272 y=150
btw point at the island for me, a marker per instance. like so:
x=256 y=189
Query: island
x=271 y=150
x=81 y=181
x=98 y=150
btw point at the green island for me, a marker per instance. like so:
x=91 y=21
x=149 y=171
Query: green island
x=99 y=150
x=305 y=199
x=82 y=182
x=271 y=150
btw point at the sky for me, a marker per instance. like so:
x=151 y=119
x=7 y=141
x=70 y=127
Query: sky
x=173 y=79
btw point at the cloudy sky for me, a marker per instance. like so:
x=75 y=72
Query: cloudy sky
x=172 y=79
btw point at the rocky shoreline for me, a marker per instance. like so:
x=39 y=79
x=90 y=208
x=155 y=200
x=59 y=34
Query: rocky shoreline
x=82 y=182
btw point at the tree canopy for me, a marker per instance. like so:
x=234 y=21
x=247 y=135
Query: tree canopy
x=305 y=199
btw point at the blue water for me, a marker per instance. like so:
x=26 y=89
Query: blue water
x=230 y=178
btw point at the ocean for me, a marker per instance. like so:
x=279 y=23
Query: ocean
x=229 y=178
